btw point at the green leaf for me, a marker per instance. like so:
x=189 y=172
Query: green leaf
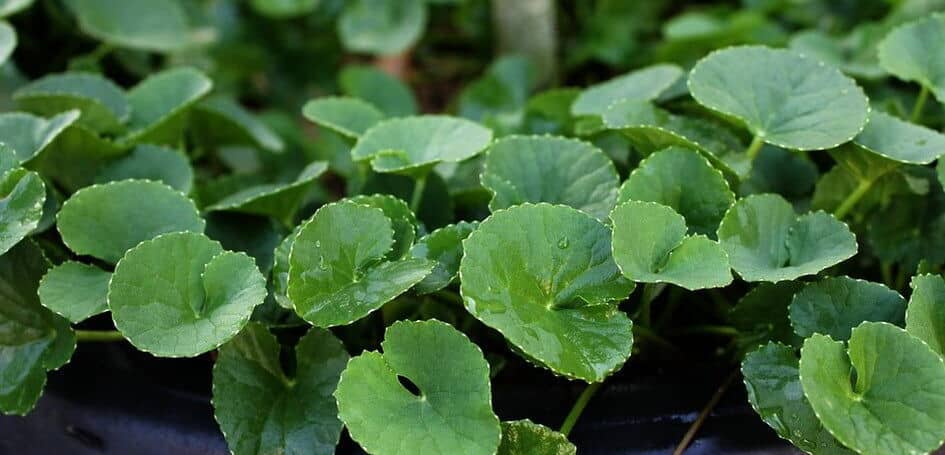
x=451 y=411
x=284 y=9
x=278 y=200
x=907 y=53
x=158 y=104
x=349 y=117
x=551 y=169
x=761 y=315
x=900 y=140
x=780 y=171
x=74 y=158
x=104 y=221
x=33 y=340
x=415 y=144
x=925 y=316
x=523 y=437
x=8 y=158
x=403 y=221
x=102 y=103
x=381 y=26
x=220 y=120
x=254 y=235
x=650 y=245
x=370 y=84
x=75 y=291
x=640 y=85
x=263 y=409
x=151 y=162
x=337 y=271
x=882 y=393
x=11 y=7
x=774 y=388
x=855 y=53
x=181 y=294
x=782 y=97
x=22 y=194
x=149 y=25
x=543 y=275
x=445 y=246
x=8 y=41
x=685 y=181
x=766 y=241
x=835 y=305
x=30 y=135
x=280 y=269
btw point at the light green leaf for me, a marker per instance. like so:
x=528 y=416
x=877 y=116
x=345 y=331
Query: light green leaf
x=284 y=9
x=774 y=391
x=181 y=294
x=445 y=246
x=278 y=200
x=766 y=241
x=263 y=409
x=543 y=275
x=784 y=98
x=909 y=53
x=101 y=102
x=22 y=194
x=835 y=305
x=280 y=269
x=349 y=117
x=30 y=135
x=7 y=41
x=158 y=104
x=882 y=393
x=640 y=85
x=337 y=273
x=370 y=84
x=900 y=140
x=74 y=290
x=149 y=25
x=220 y=120
x=381 y=26
x=650 y=245
x=104 y=221
x=925 y=316
x=8 y=158
x=415 y=144
x=681 y=179
x=151 y=162
x=11 y=7
x=403 y=221
x=451 y=411
x=523 y=437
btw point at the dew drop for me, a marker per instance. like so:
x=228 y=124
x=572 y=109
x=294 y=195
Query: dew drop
x=322 y=264
x=318 y=244
x=564 y=243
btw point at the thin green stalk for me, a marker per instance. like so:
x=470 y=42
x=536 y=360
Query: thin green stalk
x=754 y=148
x=418 y=188
x=713 y=402
x=852 y=199
x=706 y=329
x=448 y=296
x=919 y=105
x=578 y=407
x=650 y=292
x=645 y=333
x=98 y=335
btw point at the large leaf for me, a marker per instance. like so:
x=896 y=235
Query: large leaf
x=101 y=102
x=543 y=276
x=159 y=103
x=220 y=120
x=381 y=26
x=337 y=271
x=523 y=437
x=181 y=294
x=150 y=25
x=22 y=195
x=550 y=169
x=782 y=97
x=882 y=393
x=370 y=84
x=29 y=135
x=640 y=85
x=151 y=162
x=75 y=290
x=908 y=53
x=104 y=221
x=766 y=241
x=349 y=117
x=900 y=140
x=835 y=305
x=925 y=316
x=445 y=246
x=264 y=409
x=278 y=200
x=450 y=412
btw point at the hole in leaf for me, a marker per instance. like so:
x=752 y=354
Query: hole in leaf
x=409 y=385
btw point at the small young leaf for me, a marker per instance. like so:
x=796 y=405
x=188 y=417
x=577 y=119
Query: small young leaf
x=370 y=84
x=181 y=294
x=220 y=120
x=450 y=412
x=640 y=85
x=29 y=135
x=402 y=220
x=337 y=274
x=925 y=316
x=551 y=169
x=651 y=246
x=104 y=221
x=882 y=393
x=783 y=98
x=150 y=25
x=906 y=53
x=349 y=117
x=523 y=437
x=544 y=276
x=900 y=140
x=835 y=305
x=445 y=246
x=151 y=162
x=102 y=103
x=75 y=290
x=766 y=241
x=262 y=409
x=22 y=194
x=159 y=102
x=278 y=200
x=381 y=27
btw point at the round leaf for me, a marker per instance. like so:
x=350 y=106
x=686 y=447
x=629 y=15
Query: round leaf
x=522 y=437
x=451 y=411
x=900 y=140
x=784 y=98
x=158 y=103
x=381 y=26
x=766 y=241
x=883 y=393
x=181 y=294
x=640 y=85
x=445 y=246
x=101 y=102
x=22 y=194
x=150 y=25
x=348 y=117
x=907 y=53
x=261 y=409
x=370 y=84
x=30 y=135
x=402 y=220
x=104 y=221
x=835 y=305
x=925 y=317
x=151 y=162
x=551 y=169
x=278 y=200
x=543 y=275
x=75 y=290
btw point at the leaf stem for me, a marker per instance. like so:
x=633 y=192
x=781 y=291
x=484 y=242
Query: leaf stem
x=418 y=188
x=844 y=208
x=754 y=148
x=713 y=402
x=448 y=296
x=707 y=329
x=645 y=333
x=919 y=105
x=650 y=292
x=98 y=335
x=578 y=407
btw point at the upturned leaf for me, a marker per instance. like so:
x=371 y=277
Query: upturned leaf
x=381 y=27
x=278 y=200
x=337 y=271
x=158 y=104
x=151 y=162
x=551 y=169
x=640 y=85
x=378 y=88
x=544 y=276
x=835 y=306
x=403 y=221
x=264 y=409
x=102 y=103
x=445 y=246
x=22 y=195
x=150 y=25
x=75 y=291
x=104 y=221
x=906 y=53
x=450 y=411
x=900 y=140
x=349 y=117
x=925 y=316
x=181 y=294
x=767 y=241
x=782 y=97
x=220 y=120
x=882 y=392
x=30 y=135
x=523 y=437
